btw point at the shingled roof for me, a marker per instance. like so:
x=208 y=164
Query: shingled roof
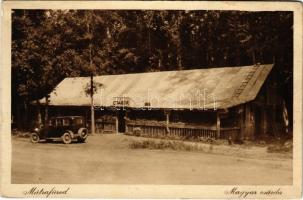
x=188 y=89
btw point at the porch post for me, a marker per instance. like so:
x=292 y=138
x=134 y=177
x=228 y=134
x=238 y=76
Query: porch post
x=241 y=122
x=249 y=122
x=218 y=125
x=126 y=120
x=167 y=120
x=263 y=122
x=117 y=122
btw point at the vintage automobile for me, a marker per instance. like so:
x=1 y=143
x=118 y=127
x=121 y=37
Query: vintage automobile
x=68 y=128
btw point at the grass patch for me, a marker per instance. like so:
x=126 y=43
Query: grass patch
x=24 y=134
x=287 y=146
x=172 y=145
x=137 y=132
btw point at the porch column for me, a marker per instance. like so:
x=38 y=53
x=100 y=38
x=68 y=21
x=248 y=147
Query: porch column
x=249 y=123
x=117 y=122
x=126 y=120
x=263 y=122
x=218 y=125
x=241 y=122
x=167 y=112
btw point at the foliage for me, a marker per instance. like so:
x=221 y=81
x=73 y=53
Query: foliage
x=49 y=45
x=96 y=87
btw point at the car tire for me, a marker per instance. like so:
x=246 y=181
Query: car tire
x=67 y=138
x=35 y=138
x=82 y=132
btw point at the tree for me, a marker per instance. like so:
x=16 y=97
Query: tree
x=49 y=45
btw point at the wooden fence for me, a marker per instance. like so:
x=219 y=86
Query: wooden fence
x=106 y=127
x=176 y=130
x=182 y=131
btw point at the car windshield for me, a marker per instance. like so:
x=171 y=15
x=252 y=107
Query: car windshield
x=78 y=121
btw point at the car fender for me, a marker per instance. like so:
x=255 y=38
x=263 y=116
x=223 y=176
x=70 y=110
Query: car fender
x=71 y=133
x=39 y=132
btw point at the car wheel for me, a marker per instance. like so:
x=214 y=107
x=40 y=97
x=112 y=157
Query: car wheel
x=82 y=133
x=67 y=138
x=35 y=138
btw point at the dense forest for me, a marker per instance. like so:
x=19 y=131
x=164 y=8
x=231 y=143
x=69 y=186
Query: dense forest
x=49 y=45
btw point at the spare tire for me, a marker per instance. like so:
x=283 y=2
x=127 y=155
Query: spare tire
x=82 y=132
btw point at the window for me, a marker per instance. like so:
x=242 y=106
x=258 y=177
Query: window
x=59 y=122
x=52 y=122
x=78 y=121
x=66 y=122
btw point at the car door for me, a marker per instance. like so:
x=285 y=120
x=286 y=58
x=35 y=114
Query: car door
x=51 y=128
x=67 y=124
x=58 y=131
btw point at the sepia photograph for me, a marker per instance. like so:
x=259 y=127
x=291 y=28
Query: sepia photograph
x=180 y=97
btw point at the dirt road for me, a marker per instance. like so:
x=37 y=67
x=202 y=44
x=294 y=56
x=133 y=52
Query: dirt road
x=107 y=159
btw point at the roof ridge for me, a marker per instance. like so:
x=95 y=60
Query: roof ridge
x=170 y=71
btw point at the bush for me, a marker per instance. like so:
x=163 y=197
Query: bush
x=137 y=131
x=173 y=145
x=287 y=146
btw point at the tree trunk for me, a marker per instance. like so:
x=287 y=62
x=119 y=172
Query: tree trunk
x=91 y=79
x=178 y=43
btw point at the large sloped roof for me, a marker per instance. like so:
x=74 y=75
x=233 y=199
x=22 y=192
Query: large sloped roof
x=188 y=89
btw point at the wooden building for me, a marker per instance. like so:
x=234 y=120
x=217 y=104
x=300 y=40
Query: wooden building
x=229 y=102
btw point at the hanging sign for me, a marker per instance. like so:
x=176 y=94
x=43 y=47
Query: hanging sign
x=121 y=101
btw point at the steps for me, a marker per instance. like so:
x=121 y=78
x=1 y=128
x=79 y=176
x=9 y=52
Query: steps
x=246 y=80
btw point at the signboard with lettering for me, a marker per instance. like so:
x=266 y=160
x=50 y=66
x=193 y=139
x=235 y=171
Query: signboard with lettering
x=121 y=101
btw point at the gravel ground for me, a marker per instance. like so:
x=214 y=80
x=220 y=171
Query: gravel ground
x=107 y=159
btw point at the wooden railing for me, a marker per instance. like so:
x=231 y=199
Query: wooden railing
x=193 y=132
x=148 y=130
x=174 y=130
x=106 y=127
x=178 y=130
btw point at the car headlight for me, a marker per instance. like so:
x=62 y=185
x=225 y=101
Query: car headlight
x=36 y=129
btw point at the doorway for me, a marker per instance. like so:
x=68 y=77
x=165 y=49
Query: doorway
x=121 y=121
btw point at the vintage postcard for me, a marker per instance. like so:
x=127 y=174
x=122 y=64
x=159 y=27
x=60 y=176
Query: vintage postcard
x=151 y=99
